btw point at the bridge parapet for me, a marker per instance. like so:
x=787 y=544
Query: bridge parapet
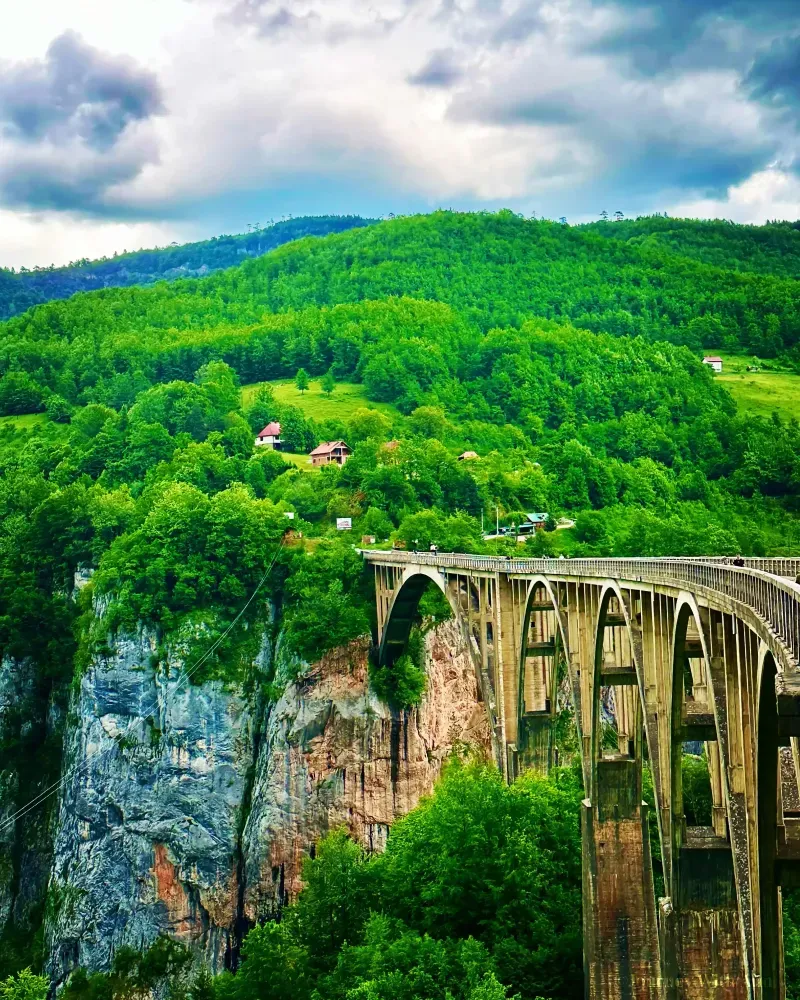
x=649 y=654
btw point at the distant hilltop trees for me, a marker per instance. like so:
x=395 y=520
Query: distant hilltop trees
x=21 y=290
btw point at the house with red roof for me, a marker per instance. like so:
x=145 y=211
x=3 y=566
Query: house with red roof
x=270 y=436
x=714 y=361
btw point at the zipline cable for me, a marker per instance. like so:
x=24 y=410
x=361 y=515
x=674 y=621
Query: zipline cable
x=76 y=769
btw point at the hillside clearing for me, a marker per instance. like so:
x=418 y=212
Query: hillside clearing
x=345 y=398
x=24 y=421
x=301 y=461
x=760 y=393
x=764 y=393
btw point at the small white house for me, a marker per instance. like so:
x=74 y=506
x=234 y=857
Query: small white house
x=270 y=436
x=714 y=361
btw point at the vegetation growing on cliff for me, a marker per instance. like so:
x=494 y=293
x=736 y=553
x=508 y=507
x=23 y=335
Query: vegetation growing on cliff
x=479 y=886
x=562 y=357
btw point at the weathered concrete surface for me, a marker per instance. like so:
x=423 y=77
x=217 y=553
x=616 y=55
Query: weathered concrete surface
x=333 y=755
x=147 y=835
x=708 y=936
x=621 y=949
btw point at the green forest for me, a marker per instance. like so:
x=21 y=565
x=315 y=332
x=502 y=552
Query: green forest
x=23 y=289
x=567 y=358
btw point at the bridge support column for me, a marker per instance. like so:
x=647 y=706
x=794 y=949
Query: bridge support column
x=702 y=935
x=536 y=744
x=506 y=645
x=621 y=952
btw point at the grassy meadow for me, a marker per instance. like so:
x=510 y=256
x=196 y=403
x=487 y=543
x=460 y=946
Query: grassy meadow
x=24 y=421
x=346 y=397
x=761 y=393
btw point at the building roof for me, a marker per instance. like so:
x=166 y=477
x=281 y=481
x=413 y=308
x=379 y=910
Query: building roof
x=326 y=447
x=271 y=430
x=713 y=357
x=536 y=518
x=469 y=454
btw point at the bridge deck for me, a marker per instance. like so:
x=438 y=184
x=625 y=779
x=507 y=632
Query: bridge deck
x=767 y=586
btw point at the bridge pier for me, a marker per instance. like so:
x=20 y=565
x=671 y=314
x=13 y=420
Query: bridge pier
x=703 y=934
x=621 y=950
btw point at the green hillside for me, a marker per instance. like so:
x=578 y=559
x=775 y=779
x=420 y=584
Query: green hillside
x=770 y=249
x=269 y=315
x=463 y=328
x=23 y=289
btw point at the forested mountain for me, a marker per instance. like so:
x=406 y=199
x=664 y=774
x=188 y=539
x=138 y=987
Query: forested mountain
x=22 y=290
x=770 y=249
x=495 y=270
x=565 y=358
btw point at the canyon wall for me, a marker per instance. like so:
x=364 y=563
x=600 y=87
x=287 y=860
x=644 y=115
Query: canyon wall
x=155 y=770
x=25 y=845
x=334 y=755
x=189 y=809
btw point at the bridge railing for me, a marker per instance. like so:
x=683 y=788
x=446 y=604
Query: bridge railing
x=772 y=593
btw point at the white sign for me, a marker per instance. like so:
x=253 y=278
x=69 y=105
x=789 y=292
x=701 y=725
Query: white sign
x=289 y=514
x=344 y=523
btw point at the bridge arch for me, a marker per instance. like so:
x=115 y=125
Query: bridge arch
x=692 y=712
x=403 y=609
x=549 y=647
x=616 y=675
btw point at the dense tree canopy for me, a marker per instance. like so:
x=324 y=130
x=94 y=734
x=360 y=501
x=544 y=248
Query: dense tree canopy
x=509 y=367
x=477 y=897
x=22 y=290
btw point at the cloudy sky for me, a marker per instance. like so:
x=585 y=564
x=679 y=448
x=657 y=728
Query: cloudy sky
x=131 y=123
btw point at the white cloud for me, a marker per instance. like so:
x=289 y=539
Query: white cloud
x=768 y=194
x=275 y=106
x=140 y=28
x=28 y=240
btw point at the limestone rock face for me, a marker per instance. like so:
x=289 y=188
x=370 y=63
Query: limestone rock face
x=13 y=676
x=147 y=834
x=24 y=846
x=333 y=755
x=187 y=810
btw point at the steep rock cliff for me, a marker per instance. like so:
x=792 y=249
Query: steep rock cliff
x=334 y=755
x=196 y=822
x=12 y=681
x=147 y=835
x=26 y=720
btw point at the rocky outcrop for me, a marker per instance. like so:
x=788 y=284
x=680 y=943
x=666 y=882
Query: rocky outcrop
x=187 y=811
x=156 y=771
x=334 y=755
x=25 y=845
x=12 y=680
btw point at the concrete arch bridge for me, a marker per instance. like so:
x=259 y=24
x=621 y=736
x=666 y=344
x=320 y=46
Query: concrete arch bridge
x=651 y=654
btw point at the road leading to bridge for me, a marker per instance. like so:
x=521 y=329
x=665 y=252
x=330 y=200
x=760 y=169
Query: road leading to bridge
x=649 y=654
